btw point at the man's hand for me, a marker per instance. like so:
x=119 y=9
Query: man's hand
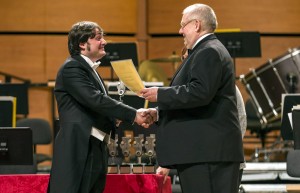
x=143 y=118
x=153 y=113
x=150 y=94
x=164 y=172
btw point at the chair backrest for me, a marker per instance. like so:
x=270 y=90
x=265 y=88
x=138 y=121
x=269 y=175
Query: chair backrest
x=41 y=129
x=250 y=110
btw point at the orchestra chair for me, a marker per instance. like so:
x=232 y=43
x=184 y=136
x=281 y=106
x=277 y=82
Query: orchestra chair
x=41 y=135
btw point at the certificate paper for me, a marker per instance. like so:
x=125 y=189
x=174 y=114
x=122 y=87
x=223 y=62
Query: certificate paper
x=128 y=75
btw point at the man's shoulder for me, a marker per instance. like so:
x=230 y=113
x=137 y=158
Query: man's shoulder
x=74 y=61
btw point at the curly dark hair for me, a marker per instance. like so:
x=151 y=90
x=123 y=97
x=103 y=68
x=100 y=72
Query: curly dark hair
x=80 y=33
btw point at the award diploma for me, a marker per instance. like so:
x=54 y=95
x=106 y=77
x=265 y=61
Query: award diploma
x=127 y=73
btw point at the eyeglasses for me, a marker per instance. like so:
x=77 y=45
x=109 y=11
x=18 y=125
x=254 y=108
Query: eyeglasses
x=182 y=25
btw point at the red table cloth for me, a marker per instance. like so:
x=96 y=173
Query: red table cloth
x=116 y=183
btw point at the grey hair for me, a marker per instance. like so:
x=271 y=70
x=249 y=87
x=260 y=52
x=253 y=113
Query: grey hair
x=204 y=13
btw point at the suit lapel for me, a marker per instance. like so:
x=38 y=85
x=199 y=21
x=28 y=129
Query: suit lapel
x=95 y=76
x=101 y=82
x=178 y=70
x=210 y=37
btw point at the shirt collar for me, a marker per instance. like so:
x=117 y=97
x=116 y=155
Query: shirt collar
x=93 y=65
x=201 y=38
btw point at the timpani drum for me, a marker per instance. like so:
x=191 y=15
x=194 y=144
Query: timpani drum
x=268 y=82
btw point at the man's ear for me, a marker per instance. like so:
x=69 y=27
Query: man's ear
x=82 y=45
x=198 y=25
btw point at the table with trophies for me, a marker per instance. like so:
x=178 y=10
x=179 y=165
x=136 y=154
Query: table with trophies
x=123 y=177
x=142 y=149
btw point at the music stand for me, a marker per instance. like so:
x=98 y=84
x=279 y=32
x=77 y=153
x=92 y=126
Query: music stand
x=8 y=111
x=241 y=44
x=120 y=51
x=20 y=91
x=288 y=101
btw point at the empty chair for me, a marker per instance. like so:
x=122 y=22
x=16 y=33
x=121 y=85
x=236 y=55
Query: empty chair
x=41 y=135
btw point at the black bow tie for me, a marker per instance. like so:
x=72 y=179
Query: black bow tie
x=189 y=51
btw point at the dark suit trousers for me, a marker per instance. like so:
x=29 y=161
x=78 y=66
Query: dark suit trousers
x=94 y=176
x=221 y=177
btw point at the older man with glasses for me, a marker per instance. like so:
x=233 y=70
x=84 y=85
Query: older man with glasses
x=199 y=132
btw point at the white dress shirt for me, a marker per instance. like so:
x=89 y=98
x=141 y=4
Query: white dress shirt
x=96 y=132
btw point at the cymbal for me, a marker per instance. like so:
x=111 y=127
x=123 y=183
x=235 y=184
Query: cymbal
x=151 y=72
x=172 y=58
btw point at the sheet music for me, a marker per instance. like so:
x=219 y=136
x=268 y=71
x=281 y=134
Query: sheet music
x=127 y=73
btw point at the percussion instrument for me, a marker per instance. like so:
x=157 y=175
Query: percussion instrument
x=268 y=82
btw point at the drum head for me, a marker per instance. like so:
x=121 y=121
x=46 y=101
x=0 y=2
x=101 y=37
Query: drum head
x=267 y=83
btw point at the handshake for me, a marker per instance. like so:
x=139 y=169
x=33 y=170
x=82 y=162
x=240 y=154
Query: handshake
x=146 y=117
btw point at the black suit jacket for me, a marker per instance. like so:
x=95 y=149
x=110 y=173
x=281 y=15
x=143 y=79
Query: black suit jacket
x=82 y=103
x=198 y=119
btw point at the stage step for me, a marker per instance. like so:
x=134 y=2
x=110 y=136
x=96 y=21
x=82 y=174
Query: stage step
x=263 y=188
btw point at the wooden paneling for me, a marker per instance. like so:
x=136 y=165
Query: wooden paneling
x=293 y=188
x=37 y=57
x=277 y=16
x=23 y=56
x=41 y=15
x=26 y=15
x=114 y=16
x=57 y=53
x=163 y=48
